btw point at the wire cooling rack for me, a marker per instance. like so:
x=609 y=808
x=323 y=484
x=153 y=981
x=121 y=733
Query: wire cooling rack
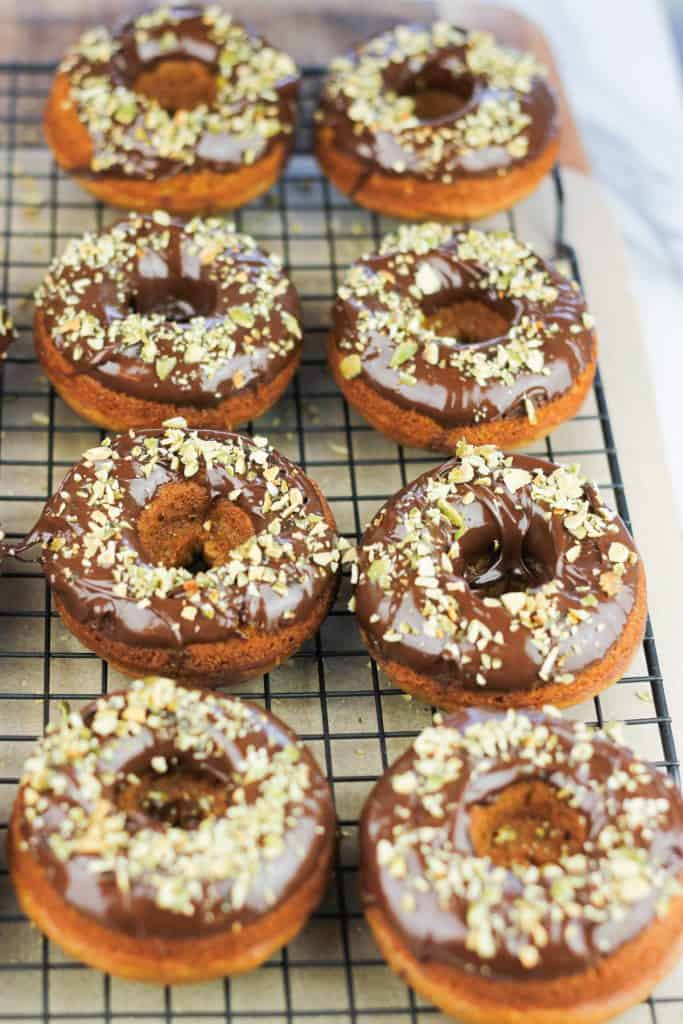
x=330 y=692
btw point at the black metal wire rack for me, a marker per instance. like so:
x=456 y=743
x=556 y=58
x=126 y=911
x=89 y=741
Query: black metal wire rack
x=330 y=692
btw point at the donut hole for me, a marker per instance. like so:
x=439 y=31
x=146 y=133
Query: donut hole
x=182 y=528
x=177 y=300
x=176 y=794
x=177 y=84
x=493 y=573
x=438 y=94
x=468 y=321
x=526 y=823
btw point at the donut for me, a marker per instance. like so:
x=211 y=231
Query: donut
x=201 y=555
x=155 y=318
x=518 y=867
x=500 y=580
x=171 y=835
x=448 y=333
x=438 y=122
x=180 y=108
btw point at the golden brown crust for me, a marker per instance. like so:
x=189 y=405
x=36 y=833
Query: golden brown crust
x=209 y=664
x=417 y=430
x=201 y=191
x=589 y=997
x=588 y=683
x=160 y=960
x=114 y=410
x=414 y=199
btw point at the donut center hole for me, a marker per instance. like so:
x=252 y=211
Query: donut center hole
x=177 y=301
x=177 y=84
x=492 y=574
x=438 y=94
x=173 y=794
x=182 y=528
x=527 y=823
x=468 y=321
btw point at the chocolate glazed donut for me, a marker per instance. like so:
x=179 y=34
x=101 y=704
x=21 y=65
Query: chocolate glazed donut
x=171 y=835
x=447 y=334
x=155 y=318
x=521 y=867
x=436 y=122
x=500 y=580
x=204 y=555
x=180 y=108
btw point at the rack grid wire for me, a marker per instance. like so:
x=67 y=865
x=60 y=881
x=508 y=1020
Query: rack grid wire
x=330 y=692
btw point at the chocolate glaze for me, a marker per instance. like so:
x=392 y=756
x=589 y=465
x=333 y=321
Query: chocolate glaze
x=158 y=269
x=448 y=394
x=437 y=930
x=510 y=543
x=96 y=890
x=233 y=604
x=220 y=148
x=440 y=68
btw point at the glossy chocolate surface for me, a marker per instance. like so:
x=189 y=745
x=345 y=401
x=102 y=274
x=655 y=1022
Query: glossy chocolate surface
x=542 y=333
x=253 y=106
x=259 y=836
x=94 y=557
x=189 y=313
x=438 y=103
x=453 y=906
x=495 y=572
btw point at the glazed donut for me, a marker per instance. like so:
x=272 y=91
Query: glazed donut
x=436 y=122
x=448 y=333
x=180 y=108
x=500 y=580
x=155 y=318
x=171 y=835
x=202 y=555
x=517 y=867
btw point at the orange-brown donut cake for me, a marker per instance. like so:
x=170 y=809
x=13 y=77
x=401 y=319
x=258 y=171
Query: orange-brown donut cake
x=517 y=868
x=446 y=334
x=171 y=835
x=155 y=318
x=180 y=108
x=202 y=555
x=436 y=122
x=500 y=580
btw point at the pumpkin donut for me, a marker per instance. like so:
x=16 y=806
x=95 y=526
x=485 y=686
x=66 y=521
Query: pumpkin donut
x=171 y=835
x=437 y=122
x=517 y=867
x=447 y=334
x=500 y=580
x=155 y=318
x=180 y=108
x=202 y=555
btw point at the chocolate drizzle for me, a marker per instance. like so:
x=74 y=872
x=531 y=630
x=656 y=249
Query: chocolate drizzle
x=249 y=849
x=252 y=109
x=438 y=104
x=503 y=572
x=93 y=554
x=523 y=921
x=189 y=313
x=385 y=312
